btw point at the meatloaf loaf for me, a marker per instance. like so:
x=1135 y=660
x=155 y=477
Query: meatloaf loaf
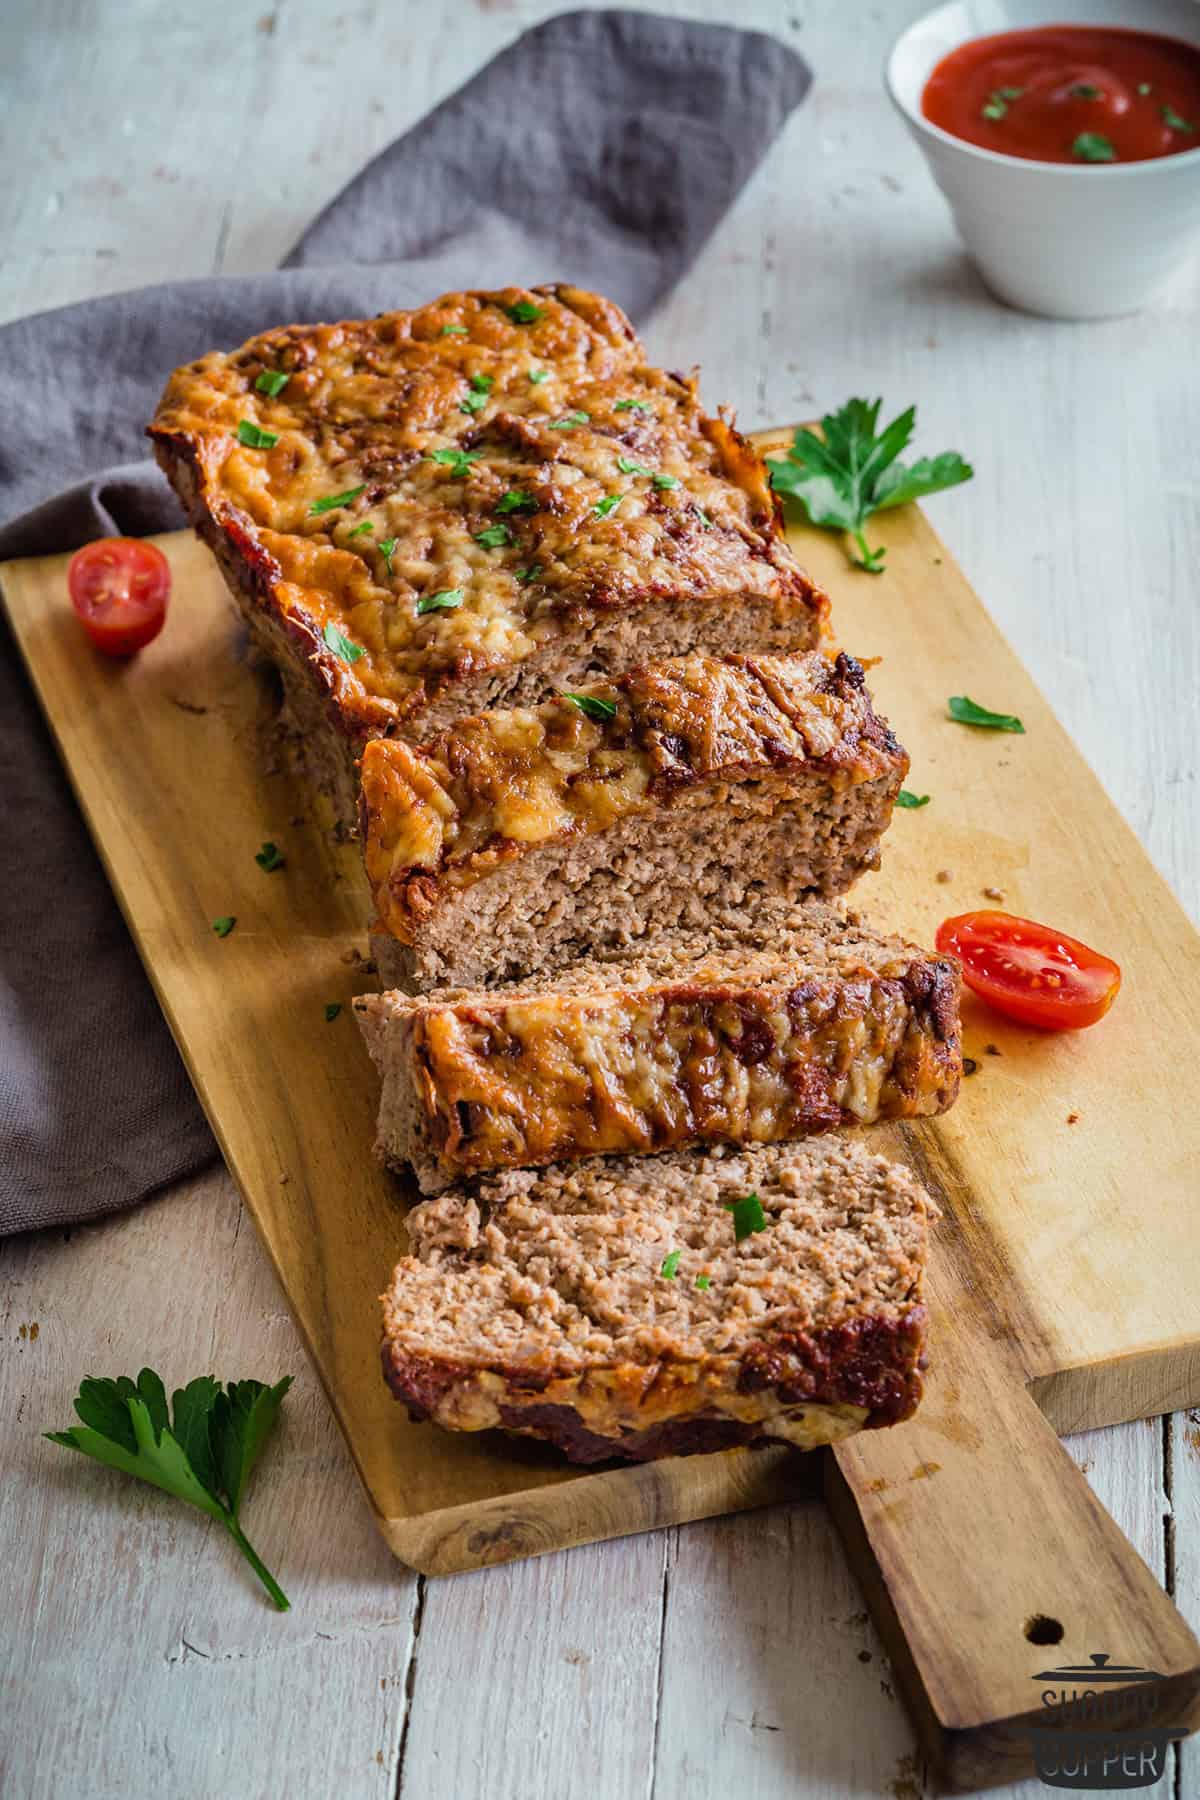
x=770 y=1024
x=659 y=1306
x=428 y=513
x=520 y=838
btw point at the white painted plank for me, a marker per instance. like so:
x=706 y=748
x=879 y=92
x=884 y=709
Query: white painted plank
x=1184 y=1463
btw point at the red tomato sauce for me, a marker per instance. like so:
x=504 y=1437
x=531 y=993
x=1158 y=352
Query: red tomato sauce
x=1079 y=94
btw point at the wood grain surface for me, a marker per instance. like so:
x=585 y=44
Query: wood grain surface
x=1026 y=1166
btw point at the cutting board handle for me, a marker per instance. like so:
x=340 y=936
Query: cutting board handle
x=985 y=1556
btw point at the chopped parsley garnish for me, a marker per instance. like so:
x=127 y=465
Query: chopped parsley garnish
x=703 y=1283
x=570 y=421
x=332 y=1009
x=591 y=707
x=537 y=376
x=748 y=1216
x=1144 y=88
x=454 y=331
x=1172 y=120
x=966 y=712
x=202 y=1451
x=476 y=400
x=627 y=466
x=516 y=500
x=703 y=518
x=670 y=1266
x=494 y=537
x=445 y=600
x=850 y=471
x=359 y=529
x=331 y=502
x=524 y=312
x=996 y=106
x=525 y=576
x=904 y=798
x=386 y=547
x=609 y=504
x=631 y=406
x=1093 y=146
x=666 y=481
x=457 y=461
x=1086 y=90
x=270 y=857
x=272 y=382
x=254 y=437
x=341 y=645
x=224 y=926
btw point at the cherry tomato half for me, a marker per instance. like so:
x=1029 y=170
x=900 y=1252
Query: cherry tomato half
x=119 y=588
x=1029 y=972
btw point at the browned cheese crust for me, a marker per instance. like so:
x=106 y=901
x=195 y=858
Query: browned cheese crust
x=787 y=1022
x=693 y=744
x=512 y=450
x=611 y=1309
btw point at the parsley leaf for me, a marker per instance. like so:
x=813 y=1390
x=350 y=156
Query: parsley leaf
x=457 y=461
x=359 y=529
x=525 y=576
x=254 y=437
x=703 y=518
x=748 y=1216
x=666 y=481
x=332 y=1009
x=201 y=1452
x=631 y=406
x=1144 y=88
x=386 y=549
x=591 y=707
x=670 y=1266
x=1172 y=120
x=454 y=331
x=524 y=312
x=966 y=712
x=537 y=376
x=1086 y=90
x=850 y=472
x=627 y=466
x=270 y=857
x=516 y=500
x=609 y=504
x=703 y=1283
x=341 y=645
x=476 y=400
x=570 y=421
x=494 y=537
x=904 y=798
x=224 y=926
x=445 y=600
x=272 y=381
x=1093 y=146
x=332 y=501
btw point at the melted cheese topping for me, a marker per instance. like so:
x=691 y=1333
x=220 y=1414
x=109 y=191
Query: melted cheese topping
x=512 y=449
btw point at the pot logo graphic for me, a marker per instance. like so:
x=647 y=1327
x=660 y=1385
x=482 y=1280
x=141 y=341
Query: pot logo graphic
x=1101 y=1727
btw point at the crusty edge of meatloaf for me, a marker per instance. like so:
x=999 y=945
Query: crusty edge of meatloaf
x=798 y=1387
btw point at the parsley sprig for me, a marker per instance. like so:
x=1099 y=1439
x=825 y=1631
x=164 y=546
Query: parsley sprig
x=850 y=471
x=202 y=1451
x=592 y=707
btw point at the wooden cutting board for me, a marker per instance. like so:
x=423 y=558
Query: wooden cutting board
x=1066 y=1273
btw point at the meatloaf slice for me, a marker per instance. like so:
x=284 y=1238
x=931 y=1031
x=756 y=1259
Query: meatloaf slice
x=518 y=839
x=650 y=1307
x=432 y=512
x=766 y=1025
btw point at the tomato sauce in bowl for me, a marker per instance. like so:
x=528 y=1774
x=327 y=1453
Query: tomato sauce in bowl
x=1083 y=94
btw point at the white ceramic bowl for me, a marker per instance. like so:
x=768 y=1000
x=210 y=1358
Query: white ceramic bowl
x=1069 y=242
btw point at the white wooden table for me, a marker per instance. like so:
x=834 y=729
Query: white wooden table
x=728 y=1657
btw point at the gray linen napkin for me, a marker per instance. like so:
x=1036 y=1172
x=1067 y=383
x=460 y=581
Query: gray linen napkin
x=600 y=148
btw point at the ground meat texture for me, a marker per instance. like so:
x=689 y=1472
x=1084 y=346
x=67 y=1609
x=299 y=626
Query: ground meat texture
x=763 y=1026
x=517 y=839
x=539 y=1303
x=468 y=477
